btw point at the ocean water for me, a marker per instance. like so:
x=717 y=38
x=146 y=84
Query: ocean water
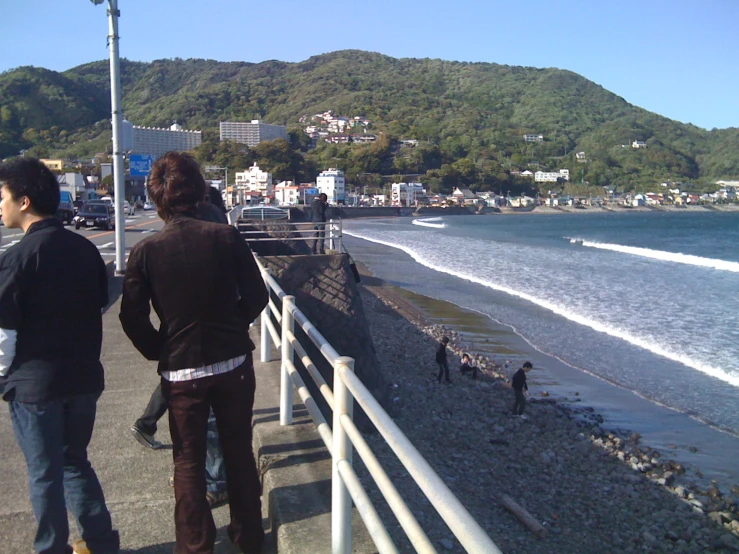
x=647 y=301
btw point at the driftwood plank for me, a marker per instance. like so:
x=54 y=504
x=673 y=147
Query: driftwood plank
x=526 y=518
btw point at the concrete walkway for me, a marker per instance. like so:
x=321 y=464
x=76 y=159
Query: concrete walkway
x=134 y=478
x=294 y=464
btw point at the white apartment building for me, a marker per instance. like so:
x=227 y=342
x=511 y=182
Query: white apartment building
x=406 y=194
x=155 y=141
x=533 y=138
x=287 y=193
x=252 y=133
x=638 y=144
x=551 y=176
x=255 y=180
x=331 y=182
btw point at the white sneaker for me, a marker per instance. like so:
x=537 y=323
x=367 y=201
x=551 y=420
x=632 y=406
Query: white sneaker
x=523 y=416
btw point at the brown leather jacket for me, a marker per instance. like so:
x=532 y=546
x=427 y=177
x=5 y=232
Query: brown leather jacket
x=205 y=287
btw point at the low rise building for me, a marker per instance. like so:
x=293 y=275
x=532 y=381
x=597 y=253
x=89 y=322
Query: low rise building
x=552 y=176
x=333 y=184
x=287 y=193
x=255 y=180
x=638 y=144
x=533 y=138
x=406 y=194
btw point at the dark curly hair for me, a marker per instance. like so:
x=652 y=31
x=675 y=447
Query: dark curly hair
x=31 y=178
x=175 y=184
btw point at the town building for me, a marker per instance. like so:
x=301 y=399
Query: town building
x=251 y=133
x=638 y=144
x=155 y=141
x=54 y=165
x=533 y=138
x=332 y=183
x=463 y=195
x=287 y=193
x=552 y=176
x=254 y=180
x=406 y=194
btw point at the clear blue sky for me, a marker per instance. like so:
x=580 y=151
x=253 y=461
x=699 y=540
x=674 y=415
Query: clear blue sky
x=679 y=58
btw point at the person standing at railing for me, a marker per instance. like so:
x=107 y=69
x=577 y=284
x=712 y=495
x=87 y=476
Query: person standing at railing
x=318 y=216
x=206 y=288
x=441 y=359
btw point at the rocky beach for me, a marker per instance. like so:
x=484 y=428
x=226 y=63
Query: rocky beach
x=591 y=489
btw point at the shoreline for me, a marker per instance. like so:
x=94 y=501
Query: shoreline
x=547 y=210
x=642 y=462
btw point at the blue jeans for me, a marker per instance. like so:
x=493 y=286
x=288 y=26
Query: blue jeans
x=215 y=469
x=54 y=437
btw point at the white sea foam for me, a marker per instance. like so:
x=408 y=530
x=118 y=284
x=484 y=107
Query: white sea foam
x=429 y=222
x=563 y=311
x=676 y=257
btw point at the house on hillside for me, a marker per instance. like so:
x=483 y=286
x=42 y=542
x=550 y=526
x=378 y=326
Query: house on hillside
x=580 y=157
x=463 y=195
x=638 y=144
x=533 y=138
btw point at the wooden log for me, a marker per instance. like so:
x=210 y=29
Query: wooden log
x=526 y=518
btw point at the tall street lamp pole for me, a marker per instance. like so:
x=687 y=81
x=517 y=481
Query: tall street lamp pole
x=115 y=101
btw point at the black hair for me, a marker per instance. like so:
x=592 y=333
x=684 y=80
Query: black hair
x=215 y=198
x=175 y=184
x=30 y=178
x=527 y=364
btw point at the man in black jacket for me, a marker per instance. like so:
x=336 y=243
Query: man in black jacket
x=519 y=385
x=318 y=217
x=53 y=287
x=441 y=359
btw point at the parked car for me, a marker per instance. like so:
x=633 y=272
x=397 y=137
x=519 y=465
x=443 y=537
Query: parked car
x=94 y=215
x=148 y=206
x=128 y=209
x=65 y=211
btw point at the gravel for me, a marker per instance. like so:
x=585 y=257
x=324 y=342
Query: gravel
x=593 y=490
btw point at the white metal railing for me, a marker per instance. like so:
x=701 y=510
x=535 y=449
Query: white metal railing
x=343 y=436
x=262 y=213
x=332 y=232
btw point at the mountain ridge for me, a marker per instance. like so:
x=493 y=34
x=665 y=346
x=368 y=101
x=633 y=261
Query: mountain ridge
x=474 y=111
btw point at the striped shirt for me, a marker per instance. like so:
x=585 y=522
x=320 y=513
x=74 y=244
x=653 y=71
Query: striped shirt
x=191 y=374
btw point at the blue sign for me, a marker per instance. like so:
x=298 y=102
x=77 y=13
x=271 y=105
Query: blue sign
x=140 y=164
x=311 y=191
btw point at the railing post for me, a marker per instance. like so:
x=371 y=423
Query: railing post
x=341 y=236
x=286 y=385
x=265 y=344
x=341 y=502
x=331 y=234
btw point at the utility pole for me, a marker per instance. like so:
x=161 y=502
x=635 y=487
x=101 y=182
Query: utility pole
x=119 y=185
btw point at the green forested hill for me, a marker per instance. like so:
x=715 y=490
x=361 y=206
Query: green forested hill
x=469 y=118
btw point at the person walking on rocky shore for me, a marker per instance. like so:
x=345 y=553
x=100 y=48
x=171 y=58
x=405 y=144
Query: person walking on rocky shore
x=441 y=359
x=519 y=385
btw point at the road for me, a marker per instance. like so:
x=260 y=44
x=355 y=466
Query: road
x=137 y=227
